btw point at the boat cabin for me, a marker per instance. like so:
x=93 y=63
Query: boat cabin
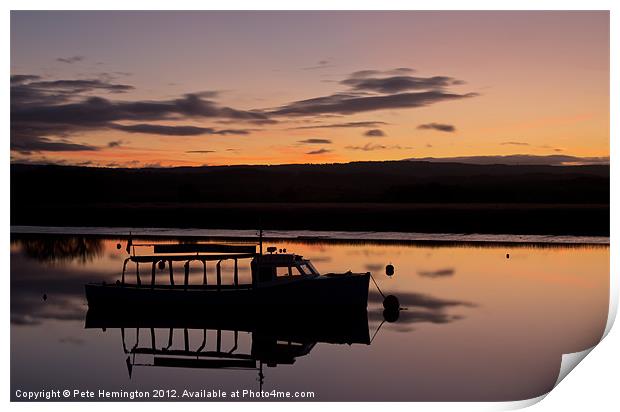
x=264 y=267
x=267 y=268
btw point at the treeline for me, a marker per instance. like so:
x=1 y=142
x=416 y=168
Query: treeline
x=365 y=182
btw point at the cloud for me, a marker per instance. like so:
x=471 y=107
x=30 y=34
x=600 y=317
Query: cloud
x=395 y=84
x=368 y=91
x=47 y=113
x=369 y=147
x=115 y=143
x=448 y=128
x=316 y=141
x=318 y=152
x=394 y=72
x=70 y=60
x=514 y=144
x=28 y=144
x=321 y=64
x=555 y=149
x=200 y=151
x=342 y=125
x=31 y=91
x=364 y=73
x=79 y=86
x=400 y=70
x=22 y=78
x=43 y=110
x=176 y=130
x=348 y=103
x=208 y=94
x=374 y=133
x=95 y=110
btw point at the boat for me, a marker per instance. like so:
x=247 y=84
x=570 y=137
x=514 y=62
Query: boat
x=278 y=278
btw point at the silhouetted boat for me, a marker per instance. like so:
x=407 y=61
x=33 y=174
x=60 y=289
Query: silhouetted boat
x=278 y=279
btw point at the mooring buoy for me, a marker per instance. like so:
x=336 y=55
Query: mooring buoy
x=391 y=303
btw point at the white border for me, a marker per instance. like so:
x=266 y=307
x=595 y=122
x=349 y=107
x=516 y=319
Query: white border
x=593 y=385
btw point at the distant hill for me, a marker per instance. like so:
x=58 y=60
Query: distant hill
x=382 y=182
x=519 y=159
x=408 y=196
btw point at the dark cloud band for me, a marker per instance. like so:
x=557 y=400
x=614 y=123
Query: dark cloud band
x=315 y=141
x=176 y=130
x=318 y=152
x=441 y=127
x=351 y=104
x=374 y=133
x=342 y=125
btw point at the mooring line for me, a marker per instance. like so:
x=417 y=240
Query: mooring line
x=378 y=288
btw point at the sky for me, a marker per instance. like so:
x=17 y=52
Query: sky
x=136 y=89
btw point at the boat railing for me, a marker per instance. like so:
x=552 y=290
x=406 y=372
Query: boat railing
x=165 y=254
x=201 y=357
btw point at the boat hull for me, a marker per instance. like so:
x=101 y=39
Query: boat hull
x=349 y=290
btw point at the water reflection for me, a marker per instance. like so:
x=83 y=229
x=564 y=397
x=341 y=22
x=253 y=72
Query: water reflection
x=276 y=337
x=417 y=307
x=56 y=249
x=437 y=273
x=492 y=329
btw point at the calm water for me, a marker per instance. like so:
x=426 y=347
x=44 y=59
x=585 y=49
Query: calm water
x=478 y=326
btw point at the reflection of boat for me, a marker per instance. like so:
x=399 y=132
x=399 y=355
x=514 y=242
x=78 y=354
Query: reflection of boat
x=277 y=279
x=276 y=337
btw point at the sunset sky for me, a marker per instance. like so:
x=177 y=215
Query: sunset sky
x=131 y=89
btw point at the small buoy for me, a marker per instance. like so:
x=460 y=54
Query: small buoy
x=161 y=265
x=507 y=255
x=118 y=246
x=389 y=270
x=44 y=296
x=391 y=303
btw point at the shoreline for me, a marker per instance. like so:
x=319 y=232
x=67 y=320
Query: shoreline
x=482 y=218
x=309 y=236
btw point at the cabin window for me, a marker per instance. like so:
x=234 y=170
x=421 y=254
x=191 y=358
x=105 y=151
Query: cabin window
x=304 y=269
x=312 y=268
x=283 y=271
